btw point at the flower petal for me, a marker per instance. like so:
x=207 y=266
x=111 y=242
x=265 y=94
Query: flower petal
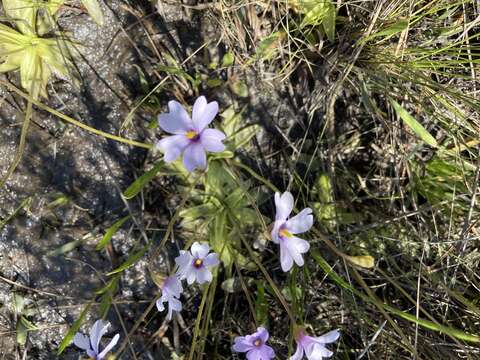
x=175 y=304
x=172 y=286
x=160 y=301
x=172 y=146
x=96 y=332
x=211 y=260
x=267 y=352
x=262 y=334
x=301 y=222
x=284 y=205
x=298 y=353
x=82 y=341
x=203 y=113
x=199 y=251
x=286 y=260
x=328 y=338
x=296 y=247
x=211 y=140
x=177 y=120
x=204 y=275
x=276 y=228
x=184 y=262
x=241 y=344
x=255 y=354
x=109 y=347
x=315 y=351
x=191 y=276
x=194 y=157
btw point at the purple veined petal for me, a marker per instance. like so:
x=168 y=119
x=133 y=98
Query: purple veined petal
x=82 y=341
x=191 y=275
x=284 y=205
x=184 y=261
x=109 y=347
x=211 y=260
x=298 y=355
x=211 y=140
x=177 y=120
x=172 y=146
x=183 y=258
x=175 y=304
x=276 y=228
x=286 y=260
x=174 y=286
x=315 y=351
x=267 y=352
x=241 y=344
x=194 y=157
x=255 y=354
x=199 y=251
x=328 y=338
x=262 y=334
x=96 y=332
x=204 y=275
x=296 y=247
x=301 y=222
x=203 y=113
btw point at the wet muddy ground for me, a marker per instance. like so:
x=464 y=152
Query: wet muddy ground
x=84 y=172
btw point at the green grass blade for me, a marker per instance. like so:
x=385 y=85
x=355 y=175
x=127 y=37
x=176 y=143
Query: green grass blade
x=73 y=330
x=132 y=259
x=143 y=180
x=414 y=125
x=110 y=232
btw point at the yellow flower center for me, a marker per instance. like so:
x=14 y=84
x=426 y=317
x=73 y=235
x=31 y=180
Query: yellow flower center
x=285 y=233
x=198 y=263
x=257 y=342
x=192 y=135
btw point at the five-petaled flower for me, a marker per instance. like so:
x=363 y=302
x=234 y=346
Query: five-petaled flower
x=284 y=229
x=254 y=345
x=313 y=347
x=194 y=264
x=90 y=345
x=192 y=137
x=171 y=291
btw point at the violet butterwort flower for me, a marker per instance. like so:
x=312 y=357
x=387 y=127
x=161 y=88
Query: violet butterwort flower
x=194 y=265
x=254 y=345
x=313 y=347
x=192 y=137
x=284 y=229
x=90 y=345
x=171 y=290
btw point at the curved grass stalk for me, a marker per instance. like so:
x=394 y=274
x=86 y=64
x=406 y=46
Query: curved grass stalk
x=21 y=145
x=208 y=315
x=198 y=320
x=73 y=121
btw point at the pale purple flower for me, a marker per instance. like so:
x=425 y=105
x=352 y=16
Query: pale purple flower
x=171 y=291
x=254 y=345
x=192 y=137
x=90 y=345
x=194 y=265
x=284 y=229
x=314 y=347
